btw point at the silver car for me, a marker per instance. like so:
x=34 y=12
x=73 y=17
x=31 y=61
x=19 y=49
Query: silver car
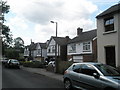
x=91 y=76
x=13 y=63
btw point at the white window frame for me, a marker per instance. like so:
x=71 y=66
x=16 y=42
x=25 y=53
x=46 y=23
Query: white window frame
x=86 y=46
x=38 y=51
x=72 y=48
x=48 y=50
x=53 y=48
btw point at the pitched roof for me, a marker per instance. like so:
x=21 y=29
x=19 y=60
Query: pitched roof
x=111 y=10
x=43 y=45
x=62 y=40
x=84 y=36
x=32 y=46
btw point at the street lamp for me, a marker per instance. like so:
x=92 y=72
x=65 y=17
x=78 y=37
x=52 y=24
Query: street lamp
x=56 y=61
x=56 y=26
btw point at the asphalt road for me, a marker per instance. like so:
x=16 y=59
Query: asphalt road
x=18 y=78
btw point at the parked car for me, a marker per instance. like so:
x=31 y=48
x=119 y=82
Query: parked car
x=92 y=76
x=12 y=63
x=51 y=63
x=4 y=60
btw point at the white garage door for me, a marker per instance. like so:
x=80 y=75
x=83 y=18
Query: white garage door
x=78 y=58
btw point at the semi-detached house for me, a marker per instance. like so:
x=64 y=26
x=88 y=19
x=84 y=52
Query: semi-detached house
x=83 y=48
x=108 y=36
x=35 y=51
x=61 y=47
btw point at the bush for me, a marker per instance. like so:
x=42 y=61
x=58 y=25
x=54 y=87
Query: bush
x=35 y=64
x=63 y=65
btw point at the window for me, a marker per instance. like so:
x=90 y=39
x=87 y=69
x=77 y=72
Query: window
x=86 y=46
x=109 y=24
x=53 y=49
x=72 y=48
x=108 y=70
x=38 y=51
x=76 y=68
x=88 y=70
x=49 y=50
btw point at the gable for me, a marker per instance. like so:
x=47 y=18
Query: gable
x=52 y=42
x=38 y=46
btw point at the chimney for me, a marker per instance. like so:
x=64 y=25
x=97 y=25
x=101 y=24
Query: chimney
x=67 y=38
x=79 y=31
x=47 y=42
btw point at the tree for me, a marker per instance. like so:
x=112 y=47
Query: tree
x=18 y=43
x=19 y=47
x=6 y=36
x=17 y=50
x=3 y=9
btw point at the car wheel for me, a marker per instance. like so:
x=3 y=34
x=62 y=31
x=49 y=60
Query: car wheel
x=67 y=84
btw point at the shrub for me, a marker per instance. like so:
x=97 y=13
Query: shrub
x=35 y=64
x=63 y=65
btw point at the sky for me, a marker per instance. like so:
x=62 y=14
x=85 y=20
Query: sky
x=30 y=19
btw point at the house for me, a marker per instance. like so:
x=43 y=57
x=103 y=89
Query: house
x=108 y=34
x=61 y=47
x=35 y=51
x=26 y=52
x=40 y=52
x=83 y=48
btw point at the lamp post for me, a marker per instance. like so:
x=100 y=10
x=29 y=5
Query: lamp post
x=1 y=23
x=56 y=61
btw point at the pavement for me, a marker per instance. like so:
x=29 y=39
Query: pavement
x=44 y=72
x=0 y=76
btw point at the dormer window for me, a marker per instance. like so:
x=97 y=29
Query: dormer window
x=109 y=24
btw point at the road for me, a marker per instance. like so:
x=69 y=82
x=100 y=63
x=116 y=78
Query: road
x=18 y=78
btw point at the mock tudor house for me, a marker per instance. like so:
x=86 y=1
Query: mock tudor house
x=26 y=52
x=61 y=47
x=83 y=48
x=35 y=51
x=40 y=52
x=108 y=36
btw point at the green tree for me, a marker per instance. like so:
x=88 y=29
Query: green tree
x=18 y=43
x=4 y=9
x=19 y=47
x=6 y=34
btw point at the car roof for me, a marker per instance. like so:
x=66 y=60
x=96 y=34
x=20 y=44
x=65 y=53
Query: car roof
x=90 y=63
x=13 y=59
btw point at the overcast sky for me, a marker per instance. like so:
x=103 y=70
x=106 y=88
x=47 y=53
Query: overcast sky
x=30 y=19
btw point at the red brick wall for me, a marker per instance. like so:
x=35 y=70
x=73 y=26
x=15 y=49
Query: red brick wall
x=68 y=57
x=95 y=50
x=91 y=57
x=88 y=58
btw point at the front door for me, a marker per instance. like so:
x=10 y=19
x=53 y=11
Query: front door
x=110 y=55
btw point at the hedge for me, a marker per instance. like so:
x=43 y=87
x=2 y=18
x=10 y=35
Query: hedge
x=35 y=64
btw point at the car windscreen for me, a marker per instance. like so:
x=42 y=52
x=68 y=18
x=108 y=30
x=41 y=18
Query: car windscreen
x=14 y=60
x=108 y=70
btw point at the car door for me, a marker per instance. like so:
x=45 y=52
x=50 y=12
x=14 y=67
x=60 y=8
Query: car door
x=74 y=75
x=87 y=80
